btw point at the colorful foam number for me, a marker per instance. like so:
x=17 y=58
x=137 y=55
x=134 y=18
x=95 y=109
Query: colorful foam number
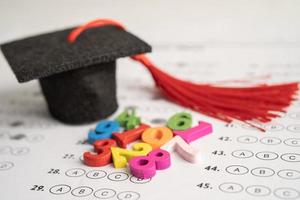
x=123 y=139
x=128 y=119
x=161 y=157
x=102 y=155
x=192 y=134
x=121 y=156
x=104 y=130
x=144 y=167
x=180 y=121
x=185 y=151
x=157 y=137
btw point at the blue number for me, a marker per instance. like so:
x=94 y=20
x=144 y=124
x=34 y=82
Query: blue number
x=104 y=130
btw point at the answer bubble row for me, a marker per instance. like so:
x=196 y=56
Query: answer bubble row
x=294 y=128
x=34 y=138
x=99 y=174
x=266 y=155
x=249 y=139
x=17 y=151
x=259 y=190
x=102 y=193
x=289 y=174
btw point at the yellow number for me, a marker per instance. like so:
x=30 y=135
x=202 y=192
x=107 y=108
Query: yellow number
x=121 y=156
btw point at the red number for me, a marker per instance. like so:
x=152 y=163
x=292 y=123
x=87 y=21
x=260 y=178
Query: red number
x=102 y=155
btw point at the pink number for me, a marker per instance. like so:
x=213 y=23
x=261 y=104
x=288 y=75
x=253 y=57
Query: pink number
x=144 y=167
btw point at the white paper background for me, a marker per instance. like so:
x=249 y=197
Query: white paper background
x=204 y=41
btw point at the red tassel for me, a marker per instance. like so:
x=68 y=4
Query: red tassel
x=248 y=104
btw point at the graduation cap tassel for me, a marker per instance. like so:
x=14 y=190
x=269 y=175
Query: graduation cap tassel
x=258 y=103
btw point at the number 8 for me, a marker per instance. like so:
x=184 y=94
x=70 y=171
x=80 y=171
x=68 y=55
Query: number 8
x=145 y=166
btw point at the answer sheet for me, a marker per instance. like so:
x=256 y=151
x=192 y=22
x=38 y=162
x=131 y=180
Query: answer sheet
x=41 y=158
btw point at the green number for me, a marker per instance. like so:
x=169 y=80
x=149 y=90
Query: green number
x=128 y=119
x=180 y=121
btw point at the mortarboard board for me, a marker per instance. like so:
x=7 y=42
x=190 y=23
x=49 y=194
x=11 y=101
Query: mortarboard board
x=77 y=79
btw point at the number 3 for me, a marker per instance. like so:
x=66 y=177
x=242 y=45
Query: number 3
x=103 y=153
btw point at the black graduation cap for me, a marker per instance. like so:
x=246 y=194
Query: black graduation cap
x=77 y=79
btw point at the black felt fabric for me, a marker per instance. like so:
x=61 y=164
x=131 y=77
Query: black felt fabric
x=48 y=54
x=82 y=96
x=77 y=79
